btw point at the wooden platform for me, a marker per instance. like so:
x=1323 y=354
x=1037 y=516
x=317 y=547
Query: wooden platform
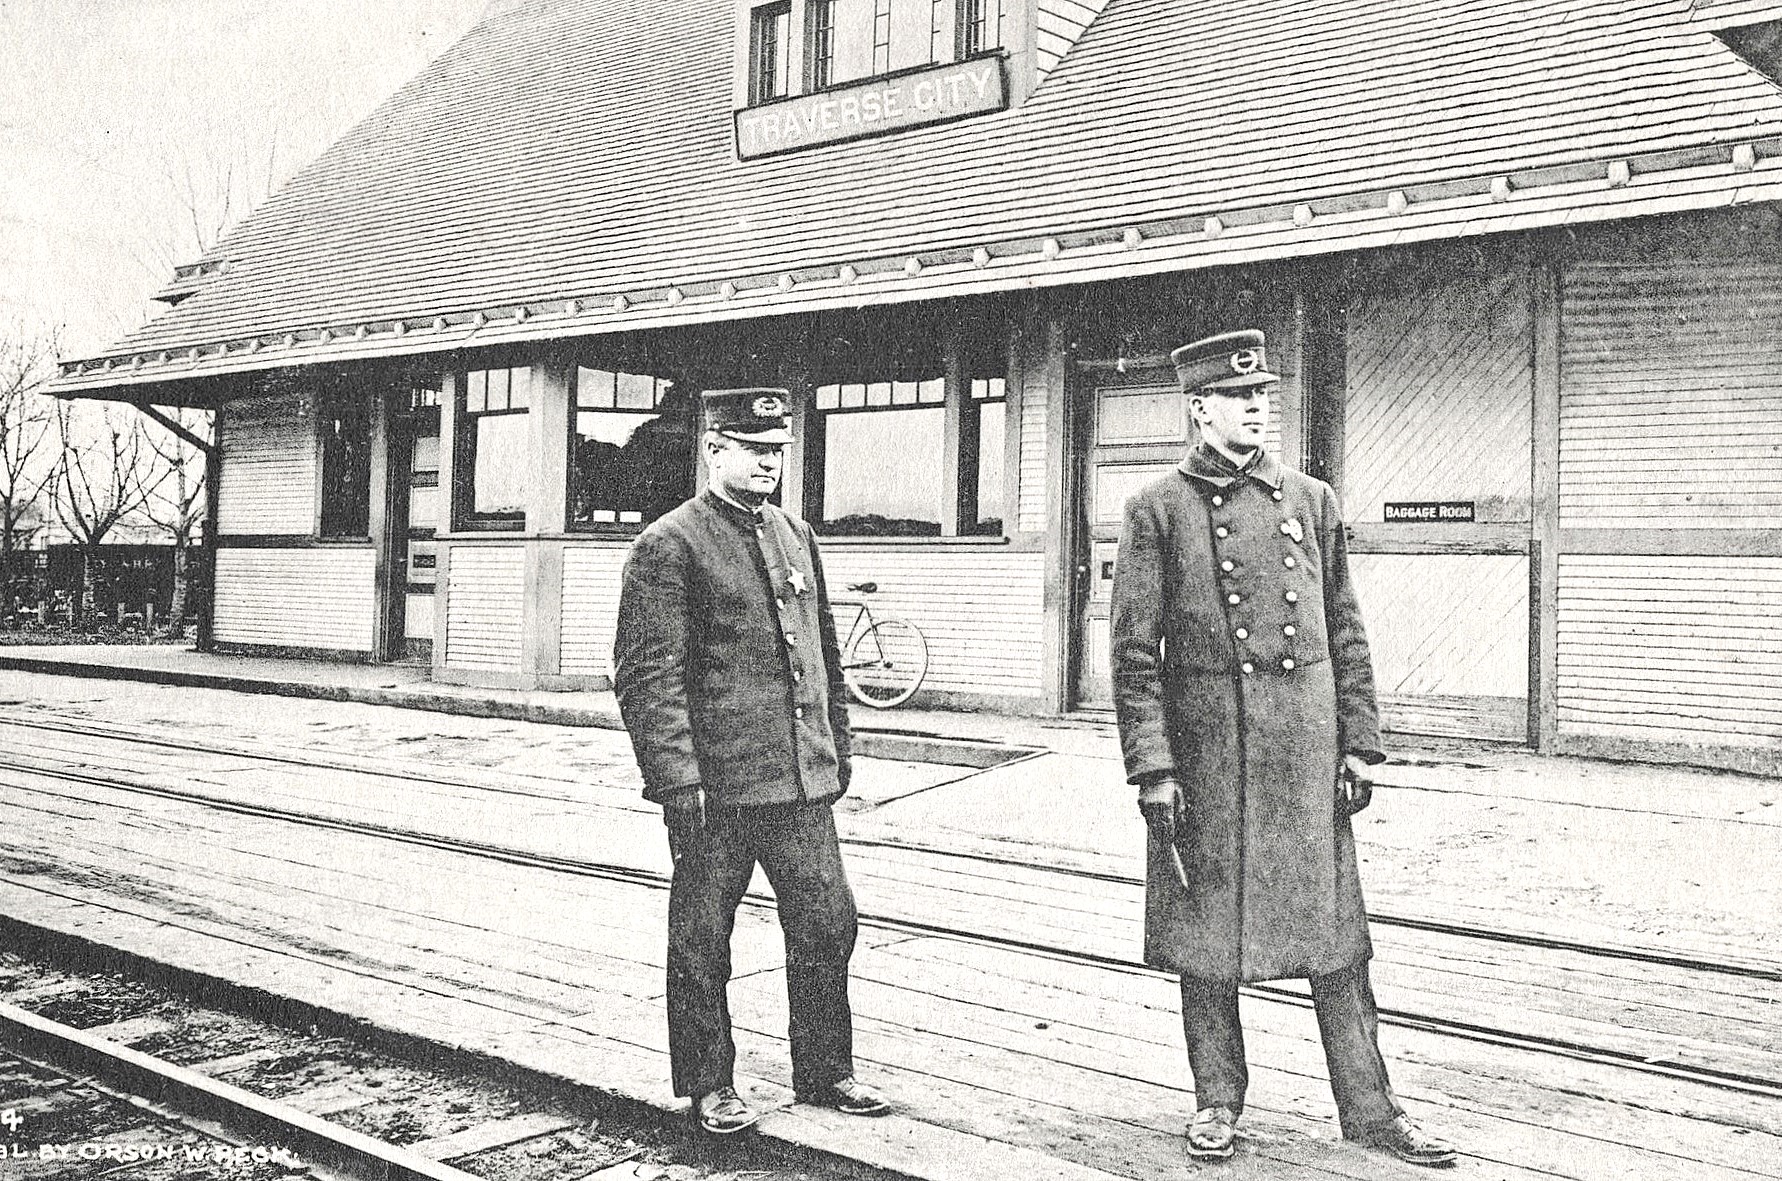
x=997 y=1001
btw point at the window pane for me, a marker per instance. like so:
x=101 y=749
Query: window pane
x=476 y=391
x=498 y=389
x=346 y=468
x=636 y=392
x=828 y=397
x=594 y=389
x=853 y=395
x=630 y=468
x=992 y=421
x=882 y=473
x=519 y=394
x=878 y=394
x=934 y=390
x=503 y=467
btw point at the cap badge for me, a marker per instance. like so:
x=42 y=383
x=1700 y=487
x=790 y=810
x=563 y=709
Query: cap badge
x=768 y=406
x=1246 y=360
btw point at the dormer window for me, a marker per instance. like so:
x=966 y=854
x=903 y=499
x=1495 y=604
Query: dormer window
x=980 y=26
x=770 y=52
x=866 y=67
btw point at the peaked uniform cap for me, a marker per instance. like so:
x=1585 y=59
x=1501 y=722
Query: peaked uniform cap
x=1229 y=361
x=754 y=415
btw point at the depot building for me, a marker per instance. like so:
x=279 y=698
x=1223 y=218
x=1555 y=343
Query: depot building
x=1519 y=274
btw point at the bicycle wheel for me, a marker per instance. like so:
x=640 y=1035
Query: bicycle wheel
x=886 y=663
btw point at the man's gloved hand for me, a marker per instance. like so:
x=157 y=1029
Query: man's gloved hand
x=1354 y=785
x=1165 y=809
x=684 y=812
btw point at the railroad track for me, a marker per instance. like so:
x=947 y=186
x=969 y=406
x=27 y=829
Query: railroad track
x=443 y=776
x=230 y=1095
x=1765 y=1086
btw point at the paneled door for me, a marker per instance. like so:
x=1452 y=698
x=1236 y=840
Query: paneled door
x=1133 y=428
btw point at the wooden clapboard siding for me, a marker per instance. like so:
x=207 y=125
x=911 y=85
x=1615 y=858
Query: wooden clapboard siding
x=269 y=471
x=315 y=597
x=1440 y=381
x=1671 y=398
x=1452 y=625
x=1671 y=649
x=979 y=609
x=485 y=606
x=590 y=607
x=1057 y=24
x=1032 y=479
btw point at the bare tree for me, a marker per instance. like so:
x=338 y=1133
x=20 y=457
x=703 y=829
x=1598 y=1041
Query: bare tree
x=103 y=477
x=25 y=419
x=176 y=504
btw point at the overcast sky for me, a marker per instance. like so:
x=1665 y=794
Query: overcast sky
x=116 y=117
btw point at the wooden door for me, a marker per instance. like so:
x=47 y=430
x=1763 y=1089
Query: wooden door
x=1134 y=428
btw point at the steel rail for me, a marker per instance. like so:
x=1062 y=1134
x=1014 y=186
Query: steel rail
x=1469 y=1031
x=1624 y=952
x=193 y=1097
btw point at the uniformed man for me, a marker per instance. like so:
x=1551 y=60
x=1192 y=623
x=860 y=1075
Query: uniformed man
x=729 y=682
x=1245 y=697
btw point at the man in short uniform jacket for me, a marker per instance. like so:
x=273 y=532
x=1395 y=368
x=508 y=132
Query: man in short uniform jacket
x=729 y=683
x=1245 y=697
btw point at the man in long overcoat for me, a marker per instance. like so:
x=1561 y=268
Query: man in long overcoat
x=1245 y=697
x=729 y=682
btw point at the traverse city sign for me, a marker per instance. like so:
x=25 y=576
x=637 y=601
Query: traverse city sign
x=914 y=98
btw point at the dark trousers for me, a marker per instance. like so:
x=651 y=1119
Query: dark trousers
x=796 y=847
x=1347 y=1022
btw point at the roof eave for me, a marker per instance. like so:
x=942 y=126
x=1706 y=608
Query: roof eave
x=1742 y=174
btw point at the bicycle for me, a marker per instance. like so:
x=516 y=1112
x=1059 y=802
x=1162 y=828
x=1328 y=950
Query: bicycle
x=884 y=656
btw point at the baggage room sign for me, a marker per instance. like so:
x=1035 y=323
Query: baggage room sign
x=1430 y=512
x=914 y=98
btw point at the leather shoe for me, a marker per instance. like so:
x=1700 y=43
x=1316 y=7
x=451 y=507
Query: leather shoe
x=1212 y=1134
x=722 y=1112
x=1409 y=1143
x=849 y=1096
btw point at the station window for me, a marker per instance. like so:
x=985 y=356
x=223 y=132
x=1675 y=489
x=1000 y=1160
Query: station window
x=883 y=447
x=983 y=443
x=344 y=415
x=979 y=26
x=884 y=419
x=631 y=449
x=847 y=40
x=770 y=52
x=493 y=461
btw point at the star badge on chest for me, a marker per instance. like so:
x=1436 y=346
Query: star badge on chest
x=1292 y=528
x=795 y=580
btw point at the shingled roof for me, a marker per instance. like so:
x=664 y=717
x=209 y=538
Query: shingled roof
x=568 y=168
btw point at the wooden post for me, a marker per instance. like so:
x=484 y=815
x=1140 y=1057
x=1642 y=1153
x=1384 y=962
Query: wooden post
x=1045 y=375
x=1324 y=362
x=451 y=394
x=213 y=479
x=547 y=517
x=954 y=444
x=1543 y=549
x=378 y=516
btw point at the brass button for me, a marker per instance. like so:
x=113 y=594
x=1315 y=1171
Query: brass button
x=1222 y=531
x=798 y=676
x=1226 y=566
x=1277 y=494
x=1248 y=667
x=1217 y=501
x=1290 y=630
x=791 y=639
x=1242 y=633
x=799 y=711
x=1286 y=528
x=1293 y=596
x=1287 y=663
x=1289 y=562
x=1234 y=600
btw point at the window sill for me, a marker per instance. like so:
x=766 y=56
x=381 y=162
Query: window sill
x=984 y=541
